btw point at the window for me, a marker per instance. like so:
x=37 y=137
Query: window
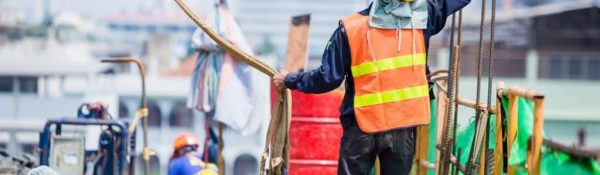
x=113 y=26
x=123 y=110
x=555 y=70
x=575 y=71
x=245 y=165
x=154 y=115
x=28 y=84
x=151 y=28
x=6 y=84
x=181 y=116
x=593 y=68
x=131 y=27
x=572 y=65
x=172 y=28
x=24 y=84
x=28 y=148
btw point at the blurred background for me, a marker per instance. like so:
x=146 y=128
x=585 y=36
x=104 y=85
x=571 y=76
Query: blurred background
x=50 y=52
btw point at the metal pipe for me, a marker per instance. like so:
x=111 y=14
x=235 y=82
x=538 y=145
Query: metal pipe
x=143 y=106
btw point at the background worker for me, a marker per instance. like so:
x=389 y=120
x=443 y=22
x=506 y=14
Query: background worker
x=185 y=159
x=381 y=53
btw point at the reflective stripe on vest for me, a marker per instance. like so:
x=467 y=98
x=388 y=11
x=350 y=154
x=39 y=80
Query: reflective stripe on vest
x=391 y=96
x=388 y=64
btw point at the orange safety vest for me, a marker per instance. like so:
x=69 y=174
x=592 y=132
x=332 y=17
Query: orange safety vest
x=390 y=84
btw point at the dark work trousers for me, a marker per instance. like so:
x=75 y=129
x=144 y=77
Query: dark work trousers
x=395 y=148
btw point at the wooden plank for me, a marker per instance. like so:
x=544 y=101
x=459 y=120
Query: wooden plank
x=422 y=146
x=512 y=125
x=220 y=144
x=482 y=154
x=498 y=150
x=574 y=151
x=377 y=166
x=442 y=110
x=538 y=125
x=297 y=51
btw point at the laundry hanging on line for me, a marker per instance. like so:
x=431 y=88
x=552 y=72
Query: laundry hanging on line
x=224 y=85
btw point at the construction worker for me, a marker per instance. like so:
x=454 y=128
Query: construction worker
x=185 y=159
x=380 y=52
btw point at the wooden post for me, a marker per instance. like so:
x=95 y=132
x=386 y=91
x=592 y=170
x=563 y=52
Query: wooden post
x=220 y=144
x=498 y=150
x=297 y=50
x=442 y=108
x=512 y=125
x=422 y=149
x=377 y=166
x=482 y=154
x=536 y=138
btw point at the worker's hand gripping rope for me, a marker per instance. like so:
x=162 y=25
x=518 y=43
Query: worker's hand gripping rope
x=279 y=80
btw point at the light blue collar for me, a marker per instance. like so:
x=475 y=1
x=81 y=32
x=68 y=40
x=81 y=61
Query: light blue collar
x=393 y=14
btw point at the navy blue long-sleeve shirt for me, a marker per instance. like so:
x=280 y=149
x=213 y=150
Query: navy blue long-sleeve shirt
x=336 y=61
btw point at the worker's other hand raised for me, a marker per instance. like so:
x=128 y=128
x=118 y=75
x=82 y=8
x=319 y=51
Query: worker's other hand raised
x=278 y=79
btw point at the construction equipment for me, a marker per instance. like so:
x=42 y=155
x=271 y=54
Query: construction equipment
x=67 y=154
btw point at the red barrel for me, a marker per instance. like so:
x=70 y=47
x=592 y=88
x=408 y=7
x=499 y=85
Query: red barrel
x=315 y=133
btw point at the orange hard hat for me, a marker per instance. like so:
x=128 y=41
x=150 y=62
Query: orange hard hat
x=183 y=140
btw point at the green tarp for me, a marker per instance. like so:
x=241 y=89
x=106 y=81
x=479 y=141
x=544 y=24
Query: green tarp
x=553 y=162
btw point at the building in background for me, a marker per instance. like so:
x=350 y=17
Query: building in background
x=262 y=19
x=47 y=71
x=552 y=48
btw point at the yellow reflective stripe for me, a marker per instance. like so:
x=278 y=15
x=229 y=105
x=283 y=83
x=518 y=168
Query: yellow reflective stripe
x=391 y=96
x=387 y=64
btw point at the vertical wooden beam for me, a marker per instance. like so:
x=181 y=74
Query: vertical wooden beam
x=498 y=150
x=422 y=149
x=512 y=125
x=220 y=144
x=482 y=154
x=377 y=166
x=442 y=108
x=297 y=50
x=536 y=138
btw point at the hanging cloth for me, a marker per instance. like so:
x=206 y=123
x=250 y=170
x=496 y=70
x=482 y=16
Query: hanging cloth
x=223 y=84
x=275 y=158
